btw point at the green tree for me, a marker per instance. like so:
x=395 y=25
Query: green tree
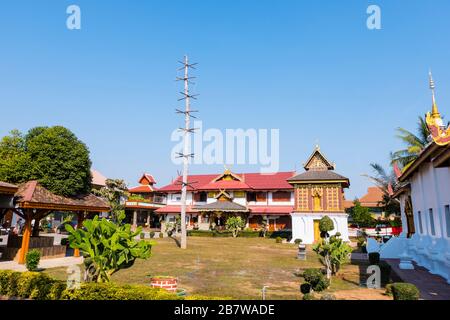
x=14 y=161
x=52 y=155
x=107 y=247
x=385 y=181
x=235 y=225
x=115 y=191
x=360 y=215
x=414 y=143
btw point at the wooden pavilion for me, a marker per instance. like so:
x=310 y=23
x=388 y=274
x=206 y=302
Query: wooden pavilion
x=34 y=202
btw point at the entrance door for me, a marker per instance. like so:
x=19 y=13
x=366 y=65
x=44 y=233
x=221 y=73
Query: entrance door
x=316 y=231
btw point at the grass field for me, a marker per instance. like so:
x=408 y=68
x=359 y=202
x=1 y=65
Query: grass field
x=236 y=268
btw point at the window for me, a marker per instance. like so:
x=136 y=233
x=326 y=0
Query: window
x=447 y=219
x=261 y=197
x=251 y=197
x=433 y=230
x=176 y=197
x=201 y=197
x=281 y=196
x=419 y=217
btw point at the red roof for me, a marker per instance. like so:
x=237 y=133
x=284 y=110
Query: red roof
x=147 y=179
x=250 y=181
x=373 y=197
x=142 y=189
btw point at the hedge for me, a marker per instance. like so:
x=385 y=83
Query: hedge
x=405 y=291
x=223 y=234
x=40 y=286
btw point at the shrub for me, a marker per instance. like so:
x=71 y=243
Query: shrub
x=405 y=291
x=13 y=284
x=328 y=296
x=250 y=234
x=282 y=234
x=309 y=296
x=388 y=291
x=235 y=225
x=316 y=279
x=200 y=233
x=279 y=240
x=108 y=291
x=56 y=290
x=32 y=260
x=142 y=235
x=161 y=235
x=64 y=241
x=374 y=258
x=34 y=285
x=298 y=241
x=152 y=234
x=326 y=224
x=5 y=278
x=305 y=288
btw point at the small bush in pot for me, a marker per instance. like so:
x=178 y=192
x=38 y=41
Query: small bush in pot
x=32 y=260
x=298 y=241
x=161 y=235
x=152 y=234
x=405 y=291
x=305 y=288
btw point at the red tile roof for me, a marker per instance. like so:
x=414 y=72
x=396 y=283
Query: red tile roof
x=251 y=181
x=174 y=209
x=149 y=179
x=7 y=188
x=142 y=189
x=373 y=197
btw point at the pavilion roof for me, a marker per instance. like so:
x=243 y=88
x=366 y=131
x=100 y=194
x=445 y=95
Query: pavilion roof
x=7 y=188
x=220 y=205
x=32 y=195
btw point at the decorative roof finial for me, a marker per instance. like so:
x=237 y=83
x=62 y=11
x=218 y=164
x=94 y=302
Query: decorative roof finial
x=434 y=111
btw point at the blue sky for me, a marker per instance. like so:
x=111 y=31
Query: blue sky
x=309 y=68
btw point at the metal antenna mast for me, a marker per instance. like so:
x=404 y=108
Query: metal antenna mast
x=186 y=155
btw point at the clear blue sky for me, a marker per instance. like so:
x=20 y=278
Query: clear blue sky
x=310 y=68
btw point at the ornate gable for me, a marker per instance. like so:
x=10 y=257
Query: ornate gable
x=228 y=176
x=318 y=162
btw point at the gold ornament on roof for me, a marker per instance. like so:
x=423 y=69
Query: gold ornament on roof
x=439 y=133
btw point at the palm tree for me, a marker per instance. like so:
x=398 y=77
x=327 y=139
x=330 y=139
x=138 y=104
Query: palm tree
x=385 y=181
x=415 y=143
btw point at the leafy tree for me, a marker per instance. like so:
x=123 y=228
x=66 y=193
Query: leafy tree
x=334 y=252
x=385 y=181
x=235 y=224
x=361 y=215
x=107 y=246
x=114 y=192
x=414 y=143
x=326 y=225
x=14 y=161
x=52 y=155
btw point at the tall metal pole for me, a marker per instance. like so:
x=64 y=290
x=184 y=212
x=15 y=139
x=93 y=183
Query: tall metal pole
x=186 y=151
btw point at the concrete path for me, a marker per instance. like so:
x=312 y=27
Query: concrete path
x=44 y=264
x=432 y=287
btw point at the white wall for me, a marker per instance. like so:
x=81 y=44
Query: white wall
x=303 y=225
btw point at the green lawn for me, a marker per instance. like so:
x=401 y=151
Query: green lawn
x=227 y=267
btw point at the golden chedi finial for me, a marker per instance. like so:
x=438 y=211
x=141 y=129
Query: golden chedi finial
x=434 y=110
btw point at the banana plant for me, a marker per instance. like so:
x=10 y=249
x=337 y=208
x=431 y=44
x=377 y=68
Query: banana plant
x=107 y=247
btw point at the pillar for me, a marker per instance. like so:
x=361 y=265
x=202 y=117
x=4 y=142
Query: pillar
x=25 y=239
x=149 y=214
x=80 y=216
x=135 y=219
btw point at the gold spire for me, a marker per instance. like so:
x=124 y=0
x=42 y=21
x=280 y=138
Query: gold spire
x=434 y=111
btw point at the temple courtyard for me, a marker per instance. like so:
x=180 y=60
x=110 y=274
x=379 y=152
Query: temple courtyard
x=238 y=268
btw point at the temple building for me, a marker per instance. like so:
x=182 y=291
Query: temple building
x=143 y=201
x=319 y=192
x=282 y=201
x=260 y=199
x=424 y=196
